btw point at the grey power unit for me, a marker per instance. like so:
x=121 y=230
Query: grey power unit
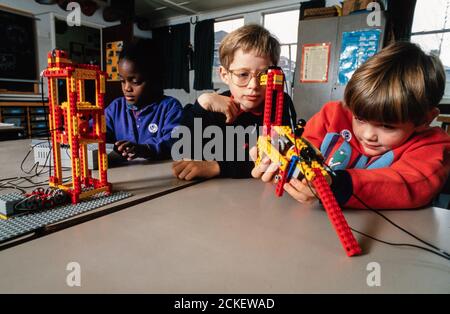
x=42 y=154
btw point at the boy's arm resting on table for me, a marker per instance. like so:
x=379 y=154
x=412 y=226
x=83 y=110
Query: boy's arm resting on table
x=236 y=169
x=411 y=182
x=193 y=169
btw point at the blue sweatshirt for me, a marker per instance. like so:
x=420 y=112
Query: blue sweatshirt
x=151 y=125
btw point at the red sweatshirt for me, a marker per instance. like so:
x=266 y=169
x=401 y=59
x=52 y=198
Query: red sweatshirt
x=409 y=176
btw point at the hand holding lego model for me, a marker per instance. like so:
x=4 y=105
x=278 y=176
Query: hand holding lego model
x=295 y=157
x=131 y=150
x=267 y=171
x=218 y=103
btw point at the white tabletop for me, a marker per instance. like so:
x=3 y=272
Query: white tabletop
x=230 y=236
x=143 y=179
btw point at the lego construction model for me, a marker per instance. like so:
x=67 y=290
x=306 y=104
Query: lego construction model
x=297 y=157
x=69 y=124
x=75 y=123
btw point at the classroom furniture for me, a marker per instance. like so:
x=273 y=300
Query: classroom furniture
x=309 y=97
x=11 y=132
x=445 y=120
x=225 y=236
x=31 y=116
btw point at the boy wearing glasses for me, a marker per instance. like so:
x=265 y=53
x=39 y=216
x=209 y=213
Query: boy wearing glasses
x=245 y=55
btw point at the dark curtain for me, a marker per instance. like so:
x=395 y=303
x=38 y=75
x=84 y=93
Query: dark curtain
x=400 y=15
x=204 y=54
x=174 y=43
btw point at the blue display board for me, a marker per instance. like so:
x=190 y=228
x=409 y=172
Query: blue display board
x=357 y=47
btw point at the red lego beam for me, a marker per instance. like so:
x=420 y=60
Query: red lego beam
x=335 y=215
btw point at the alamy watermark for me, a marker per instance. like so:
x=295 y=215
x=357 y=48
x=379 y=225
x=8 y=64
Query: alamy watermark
x=73 y=278
x=374 y=17
x=214 y=143
x=74 y=17
x=373 y=279
x=209 y=143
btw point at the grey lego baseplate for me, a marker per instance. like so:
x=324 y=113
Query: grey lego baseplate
x=26 y=223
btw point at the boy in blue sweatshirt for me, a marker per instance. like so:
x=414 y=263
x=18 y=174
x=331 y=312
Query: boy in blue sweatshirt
x=140 y=123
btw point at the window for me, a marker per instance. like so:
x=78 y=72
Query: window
x=221 y=29
x=433 y=34
x=284 y=26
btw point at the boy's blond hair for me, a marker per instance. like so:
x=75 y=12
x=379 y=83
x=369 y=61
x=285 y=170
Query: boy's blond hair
x=399 y=84
x=249 y=38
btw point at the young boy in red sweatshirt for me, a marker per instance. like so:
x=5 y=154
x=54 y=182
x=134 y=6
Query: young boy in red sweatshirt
x=378 y=141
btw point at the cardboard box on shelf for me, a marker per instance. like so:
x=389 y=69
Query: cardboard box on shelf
x=314 y=13
x=350 y=6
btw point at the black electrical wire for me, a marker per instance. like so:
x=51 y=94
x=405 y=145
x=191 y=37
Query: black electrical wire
x=36 y=165
x=10 y=183
x=440 y=252
x=13 y=187
x=444 y=254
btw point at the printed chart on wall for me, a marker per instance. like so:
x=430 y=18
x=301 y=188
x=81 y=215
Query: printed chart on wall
x=113 y=50
x=315 y=63
x=357 y=47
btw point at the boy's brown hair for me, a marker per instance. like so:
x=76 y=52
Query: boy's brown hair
x=249 y=38
x=399 y=84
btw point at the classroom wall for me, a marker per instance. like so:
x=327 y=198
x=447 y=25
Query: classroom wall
x=44 y=24
x=251 y=13
x=46 y=37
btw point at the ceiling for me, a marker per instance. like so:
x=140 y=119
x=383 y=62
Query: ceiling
x=165 y=9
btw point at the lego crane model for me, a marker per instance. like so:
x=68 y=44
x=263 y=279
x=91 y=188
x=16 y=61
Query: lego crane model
x=297 y=157
x=69 y=124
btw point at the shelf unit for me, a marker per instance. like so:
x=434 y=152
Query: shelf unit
x=32 y=116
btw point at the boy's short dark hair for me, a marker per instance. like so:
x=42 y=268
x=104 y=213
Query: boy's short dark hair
x=145 y=55
x=399 y=84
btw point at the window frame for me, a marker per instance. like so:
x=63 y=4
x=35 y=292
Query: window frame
x=446 y=97
x=217 y=82
x=293 y=61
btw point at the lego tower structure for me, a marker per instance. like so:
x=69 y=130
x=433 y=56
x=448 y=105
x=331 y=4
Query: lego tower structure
x=77 y=123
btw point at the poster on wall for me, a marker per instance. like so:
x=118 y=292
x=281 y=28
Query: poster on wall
x=315 y=63
x=113 y=50
x=357 y=47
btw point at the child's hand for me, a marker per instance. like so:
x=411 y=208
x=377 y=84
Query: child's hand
x=191 y=169
x=131 y=150
x=300 y=191
x=218 y=103
x=266 y=169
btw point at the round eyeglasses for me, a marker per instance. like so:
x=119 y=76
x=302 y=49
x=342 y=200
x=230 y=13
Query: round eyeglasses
x=241 y=78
